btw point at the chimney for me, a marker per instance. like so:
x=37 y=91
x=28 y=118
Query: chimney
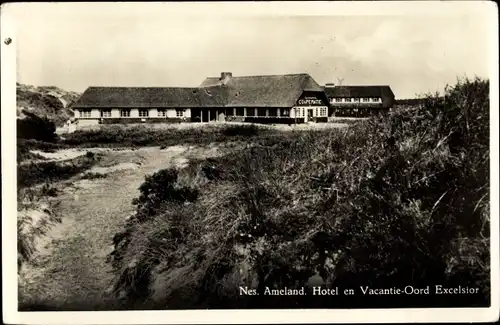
x=224 y=76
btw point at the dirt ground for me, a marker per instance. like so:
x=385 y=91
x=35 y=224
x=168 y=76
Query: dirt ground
x=70 y=271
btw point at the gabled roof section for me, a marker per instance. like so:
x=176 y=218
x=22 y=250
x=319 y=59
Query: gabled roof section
x=359 y=91
x=250 y=91
x=116 y=97
x=264 y=91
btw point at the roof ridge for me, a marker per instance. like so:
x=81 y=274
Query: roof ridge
x=359 y=86
x=143 y=87
x=267 y=75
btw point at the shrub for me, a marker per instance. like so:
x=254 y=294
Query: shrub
x=33 y=173
x=241 y=130
x=35 y=127
x=120 y=135
x=90 y=155
x=36 y=215
x=93 y=176
x=24 y=153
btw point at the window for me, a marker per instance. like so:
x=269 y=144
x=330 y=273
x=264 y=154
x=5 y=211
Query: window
x=285 y=112
x=179 y=112
x=85 y=113
x=162 y=113
x=356 y=100
x=348 y=100
x=375 y=99
x=143 y=113
x=323 y=111
x=338 y=100
x=261 y=112
x=240 y=111
x=273 y=112
x=125 y=113
x=105 y=113
x=365 y=100
x=250 y=111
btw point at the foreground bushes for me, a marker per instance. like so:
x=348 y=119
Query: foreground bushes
x=38 y=172
x=35 y=217
x=35 y=127
x=390 y=202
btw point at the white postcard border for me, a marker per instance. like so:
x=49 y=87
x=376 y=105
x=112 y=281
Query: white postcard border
x=8 y=77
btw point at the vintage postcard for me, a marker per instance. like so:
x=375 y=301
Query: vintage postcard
x=274 y=162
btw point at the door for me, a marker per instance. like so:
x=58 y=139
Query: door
x=310 y=114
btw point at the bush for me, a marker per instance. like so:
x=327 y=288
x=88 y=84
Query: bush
x=120 y=135
x=391 y=201
x=36 y=215
x=33 y=173
x=93 y=176
x=241 y=130
x=35 y=127
x=30 y=229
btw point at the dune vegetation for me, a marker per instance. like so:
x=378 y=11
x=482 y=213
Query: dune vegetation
x=394 y=200
x=390 y=201
x=48 y=102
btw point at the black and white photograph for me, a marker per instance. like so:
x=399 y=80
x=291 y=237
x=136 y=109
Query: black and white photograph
x=289 y=161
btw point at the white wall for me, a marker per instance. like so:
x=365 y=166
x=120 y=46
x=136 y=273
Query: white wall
x=134 y=112
x=115 y=112
x=85 y=122
x=172 y=113
x=153 y=112
x=95 y=113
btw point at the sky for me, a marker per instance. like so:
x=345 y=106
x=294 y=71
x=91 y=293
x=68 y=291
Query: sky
x=74 y=46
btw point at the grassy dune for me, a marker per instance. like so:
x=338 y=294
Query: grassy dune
x=388 y=202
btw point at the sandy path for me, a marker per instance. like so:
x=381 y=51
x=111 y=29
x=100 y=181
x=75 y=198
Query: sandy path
x=72 y=273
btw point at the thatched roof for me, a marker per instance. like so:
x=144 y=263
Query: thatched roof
x=359 y=91
x=117 y=97
x=251 y=91
x=264 y=91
